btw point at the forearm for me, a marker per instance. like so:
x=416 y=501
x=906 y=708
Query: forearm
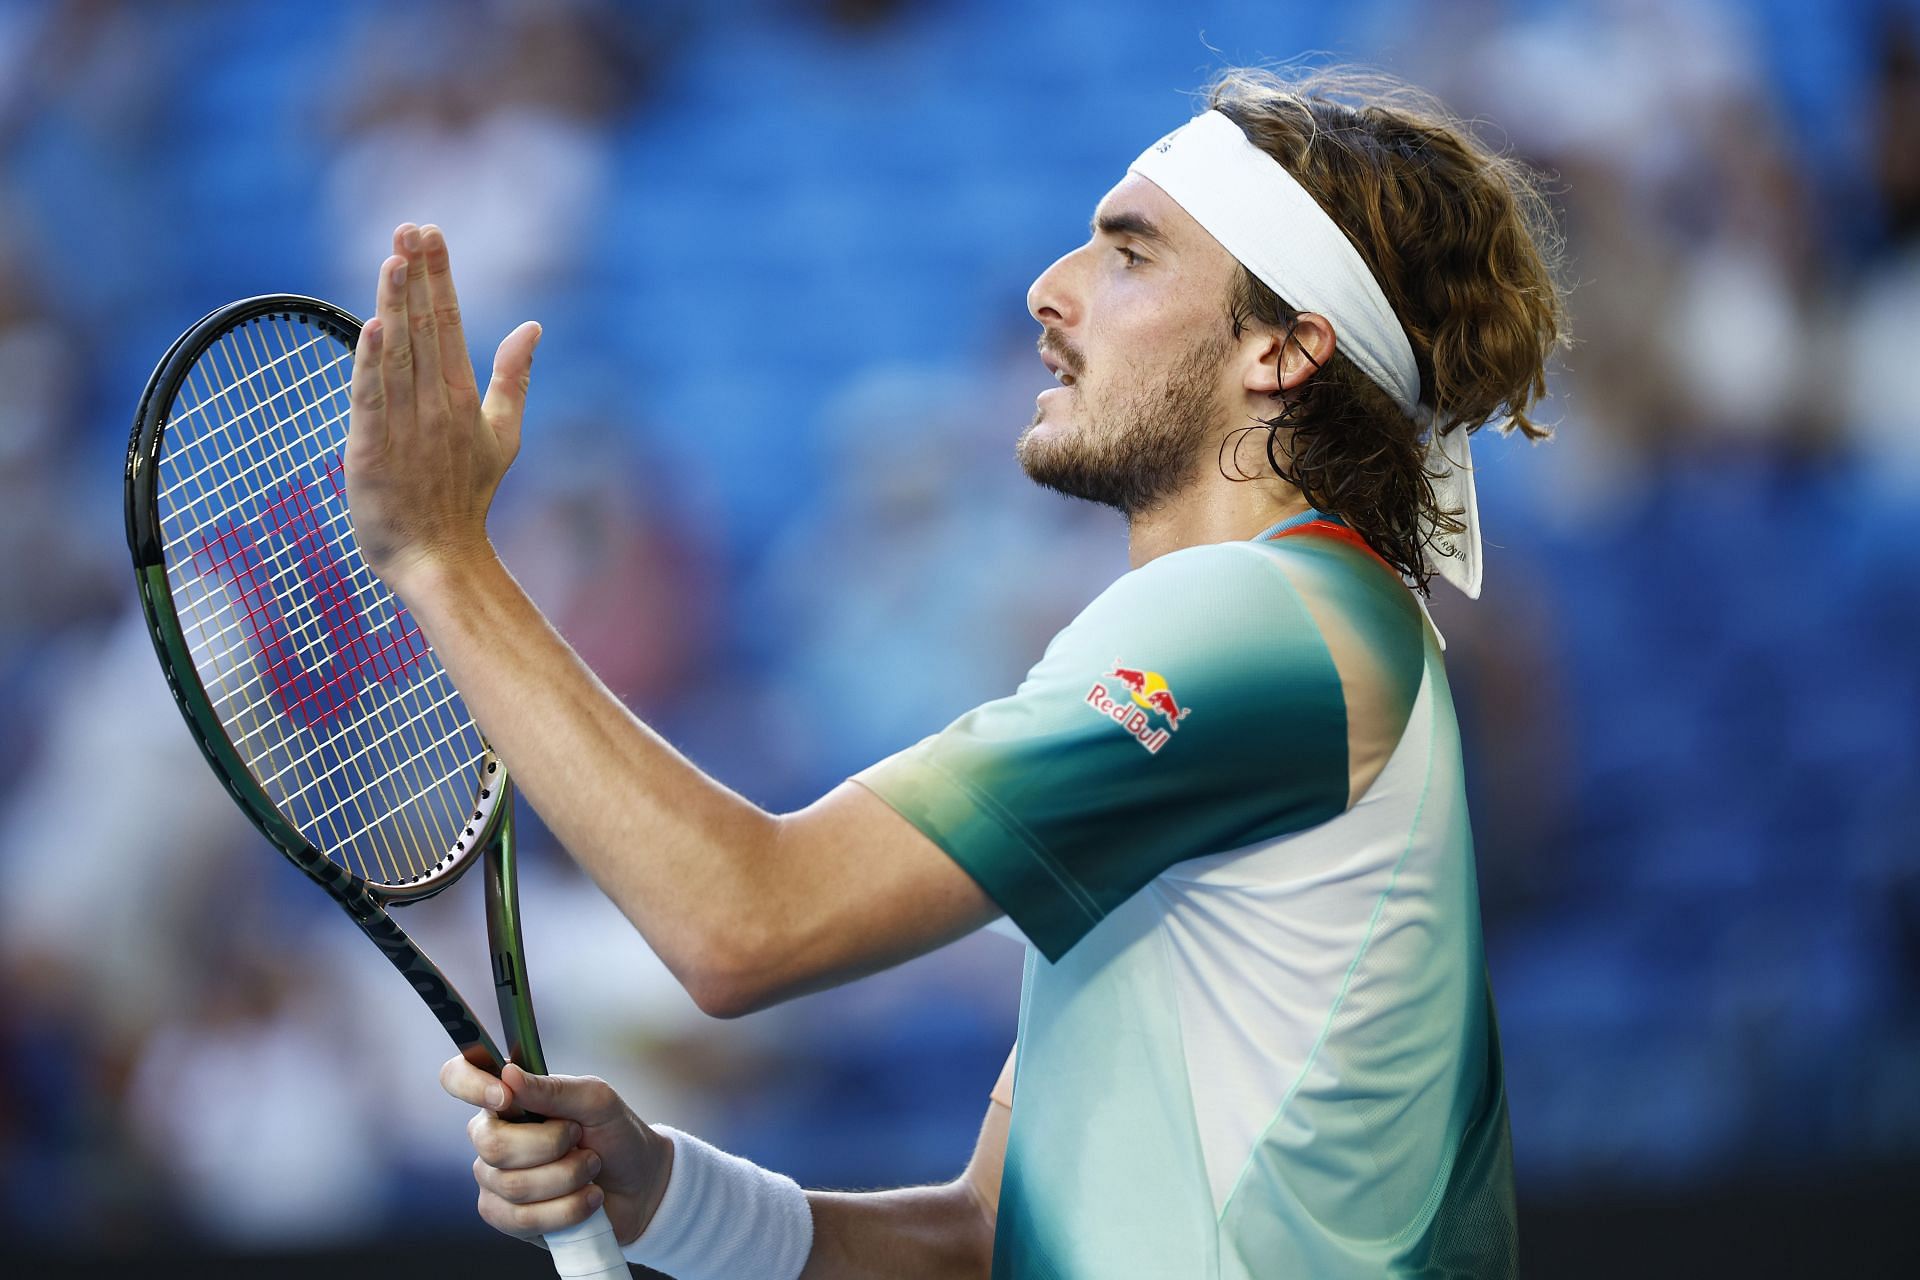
x=606 y=785
x=744 y=907
x=686 y=1208
x=941 y=1233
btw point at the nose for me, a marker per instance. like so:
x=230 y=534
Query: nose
x=1052 y=299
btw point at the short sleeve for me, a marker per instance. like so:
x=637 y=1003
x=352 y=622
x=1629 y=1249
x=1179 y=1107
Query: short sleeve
x=1191 y=709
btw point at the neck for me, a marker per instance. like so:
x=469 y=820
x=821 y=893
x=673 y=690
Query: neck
x=1211 y=509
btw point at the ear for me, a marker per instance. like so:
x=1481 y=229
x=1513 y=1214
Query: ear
x=1306 y=350
x=1278 y=361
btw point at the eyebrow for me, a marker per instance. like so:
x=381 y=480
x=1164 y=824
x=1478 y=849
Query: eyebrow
x=1128 y=224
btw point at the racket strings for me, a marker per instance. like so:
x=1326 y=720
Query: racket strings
x=185 y=537
x=258 y=725
x=293 y=513
x=392 y=754
x=290 y=514
x=445 y=767
x=265 y=406
x=234 y=469
x=322 y=681
x=380 y=755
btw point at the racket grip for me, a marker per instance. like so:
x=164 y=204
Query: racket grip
x=588 y=1251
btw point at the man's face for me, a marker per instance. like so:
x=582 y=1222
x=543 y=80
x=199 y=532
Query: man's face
x=1136 y=321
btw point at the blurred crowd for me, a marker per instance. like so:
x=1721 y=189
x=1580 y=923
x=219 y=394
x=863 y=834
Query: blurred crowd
x=780 y=249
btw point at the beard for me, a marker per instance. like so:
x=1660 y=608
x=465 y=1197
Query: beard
x=1136 y=454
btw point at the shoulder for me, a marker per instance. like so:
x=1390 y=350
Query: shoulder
x=1349 y=589
x=1192 y=708
x=1219 y=630
x=1270 y=623
x=1238 y=594
x=1204 y=589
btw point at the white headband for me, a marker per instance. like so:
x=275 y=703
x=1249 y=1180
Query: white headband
x=1246 y=200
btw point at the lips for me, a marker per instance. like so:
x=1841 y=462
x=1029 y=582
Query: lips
x=1056 y=365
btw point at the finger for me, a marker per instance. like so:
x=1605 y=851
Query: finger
x=541 y=1219
x=396 y=343
x=472 y=1085
x=562 y=1177
x=587 y=1099
x=456 y=363
x=505 y=1144
x=429 y=386
x=367 y=395
x=506 y=401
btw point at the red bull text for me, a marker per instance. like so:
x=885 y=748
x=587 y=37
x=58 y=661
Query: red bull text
x=1147 y=710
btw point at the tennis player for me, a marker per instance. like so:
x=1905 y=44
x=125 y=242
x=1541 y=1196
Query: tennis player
x=1225 y=809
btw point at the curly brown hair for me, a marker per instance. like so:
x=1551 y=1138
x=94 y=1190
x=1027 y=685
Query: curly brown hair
x=1464 y=246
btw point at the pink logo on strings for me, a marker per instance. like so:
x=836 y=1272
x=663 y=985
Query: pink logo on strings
x=290 y=542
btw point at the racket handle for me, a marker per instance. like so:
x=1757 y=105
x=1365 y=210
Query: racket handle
x=588 y=1251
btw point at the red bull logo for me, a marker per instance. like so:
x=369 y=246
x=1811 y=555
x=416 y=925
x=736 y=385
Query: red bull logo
x=1147 y=710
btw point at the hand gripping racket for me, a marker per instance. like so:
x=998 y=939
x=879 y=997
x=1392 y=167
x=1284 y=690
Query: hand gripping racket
x=303 y=679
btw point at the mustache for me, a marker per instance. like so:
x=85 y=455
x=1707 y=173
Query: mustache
x=1054 y=343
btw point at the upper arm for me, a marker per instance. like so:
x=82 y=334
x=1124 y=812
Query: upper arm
x=1195 y=707
x=851 y=888
x=1191 y=709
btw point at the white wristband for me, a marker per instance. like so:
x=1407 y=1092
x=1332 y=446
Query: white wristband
x=723 y=1218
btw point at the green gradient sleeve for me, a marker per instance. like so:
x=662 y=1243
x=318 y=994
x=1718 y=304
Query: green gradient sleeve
x=1191 y=709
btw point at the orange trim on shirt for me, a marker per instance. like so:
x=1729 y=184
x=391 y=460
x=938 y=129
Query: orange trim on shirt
x=1331 y=529
x=1003 y=1091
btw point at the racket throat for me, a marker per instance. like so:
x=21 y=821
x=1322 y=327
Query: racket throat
x=510 y=988
x=429 y=984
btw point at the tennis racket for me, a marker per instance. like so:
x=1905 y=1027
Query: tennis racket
x=302 y=678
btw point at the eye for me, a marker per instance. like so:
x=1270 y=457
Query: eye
x=1132 y=259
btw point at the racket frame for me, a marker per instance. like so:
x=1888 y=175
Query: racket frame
x=488 y=838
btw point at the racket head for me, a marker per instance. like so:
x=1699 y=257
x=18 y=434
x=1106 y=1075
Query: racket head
x=302 y=678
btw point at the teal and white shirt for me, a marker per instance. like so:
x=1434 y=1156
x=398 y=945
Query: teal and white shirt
x=1256 y=1037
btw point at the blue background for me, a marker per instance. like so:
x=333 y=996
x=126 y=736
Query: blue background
x=780 y=252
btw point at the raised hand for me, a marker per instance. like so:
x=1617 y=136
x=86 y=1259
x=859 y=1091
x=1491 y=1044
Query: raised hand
x=538 y=1177
x=425 y=452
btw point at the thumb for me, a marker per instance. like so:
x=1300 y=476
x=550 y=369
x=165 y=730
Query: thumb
x=586 y=1099
x=506 y=398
